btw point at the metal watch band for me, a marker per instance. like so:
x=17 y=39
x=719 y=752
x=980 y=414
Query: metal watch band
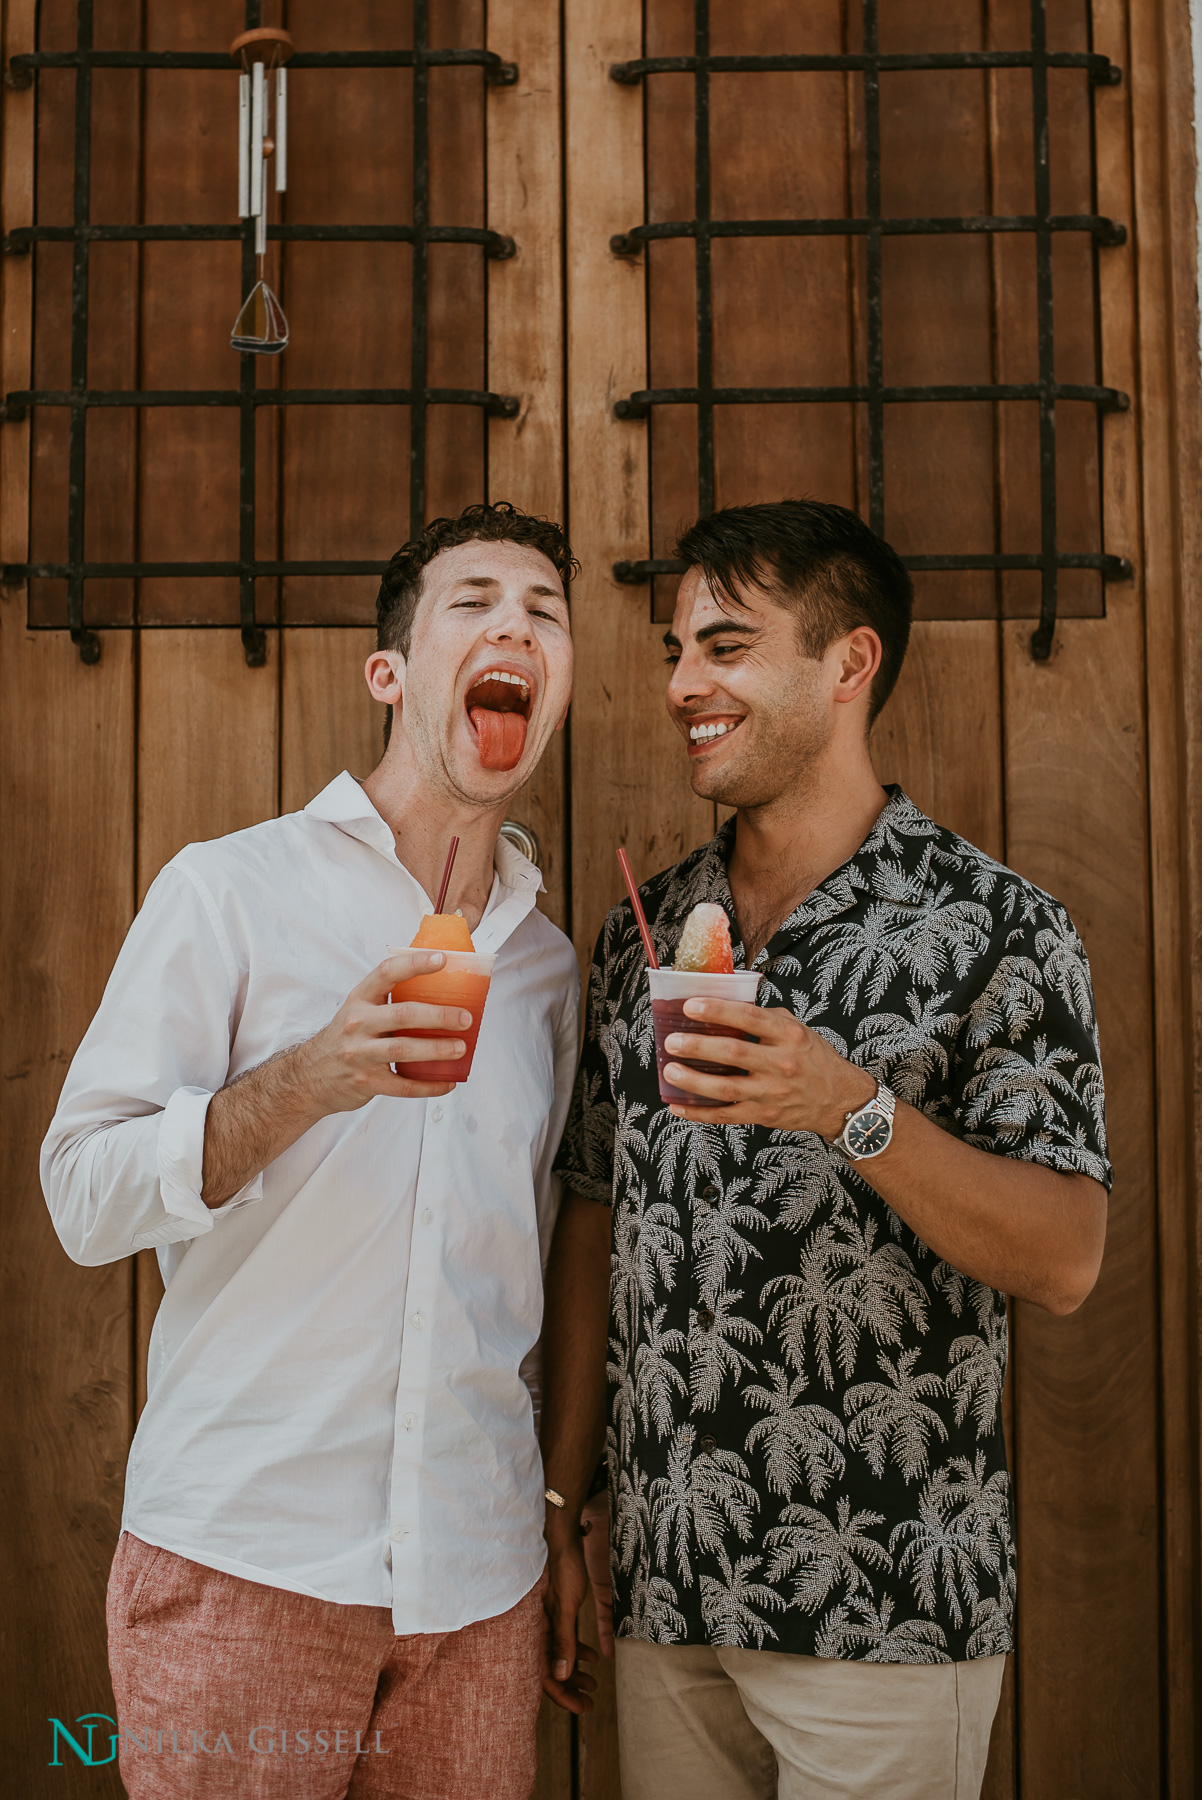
x=883 y=1101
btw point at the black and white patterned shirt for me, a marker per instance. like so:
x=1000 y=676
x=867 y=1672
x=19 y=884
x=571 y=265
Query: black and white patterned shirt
x=805 y=1439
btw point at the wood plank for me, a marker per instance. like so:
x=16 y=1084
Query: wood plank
x=66 y=900
x=207 y=764
x=328 y=720
x=1160 y=187
x=207 y=742
x=629 y=777
x=940 y=733
x=1086 y=1388
x=526 y=341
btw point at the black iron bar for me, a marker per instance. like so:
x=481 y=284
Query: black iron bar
x=418 y=335
x=500 y=406
x=1108 y=232
x=87 y=643
x=638 y=405
x=21 y=68
x=1041 y=637
x=704 y=261
x=873 y=278
x=1112 y=568
x=1100 y=69
x=495 y=243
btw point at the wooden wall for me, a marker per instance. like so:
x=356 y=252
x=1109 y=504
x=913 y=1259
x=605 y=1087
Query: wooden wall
x=1073 y=771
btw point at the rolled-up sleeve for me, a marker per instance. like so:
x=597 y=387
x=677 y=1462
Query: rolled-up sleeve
x=121 y=1164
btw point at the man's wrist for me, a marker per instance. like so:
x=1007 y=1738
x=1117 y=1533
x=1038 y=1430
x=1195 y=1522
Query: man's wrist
x=860 y=1087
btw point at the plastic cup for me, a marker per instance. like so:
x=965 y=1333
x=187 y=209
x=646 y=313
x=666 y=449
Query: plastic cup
x=670 y=988
x=462 y=981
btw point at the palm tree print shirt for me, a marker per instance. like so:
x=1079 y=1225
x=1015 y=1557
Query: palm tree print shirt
x=805 y=1441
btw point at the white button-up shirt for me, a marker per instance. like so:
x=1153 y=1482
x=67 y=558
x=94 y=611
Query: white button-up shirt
x=341 y=1369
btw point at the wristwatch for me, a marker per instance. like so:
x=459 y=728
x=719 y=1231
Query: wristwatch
x=869 y=1130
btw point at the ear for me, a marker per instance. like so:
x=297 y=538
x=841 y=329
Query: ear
x=856 y=659
x=384 y=672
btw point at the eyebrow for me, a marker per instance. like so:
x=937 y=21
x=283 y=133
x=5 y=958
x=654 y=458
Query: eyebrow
x=672 y=642
x=490 y=581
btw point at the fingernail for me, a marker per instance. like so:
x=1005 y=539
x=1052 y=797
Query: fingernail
x=562 y=1671
x=465 y=1019
x=458 y=1048
x=675 y=1042
x=433 y=959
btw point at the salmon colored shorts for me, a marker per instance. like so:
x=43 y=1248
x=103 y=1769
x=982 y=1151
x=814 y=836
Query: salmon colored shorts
x=225 y=1688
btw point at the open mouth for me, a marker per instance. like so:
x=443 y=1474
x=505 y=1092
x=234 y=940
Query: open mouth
x=498 y=705
x=704 y=732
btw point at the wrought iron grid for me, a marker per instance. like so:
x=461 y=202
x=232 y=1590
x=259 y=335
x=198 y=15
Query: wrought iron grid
x=871 y=63
x=246 y=397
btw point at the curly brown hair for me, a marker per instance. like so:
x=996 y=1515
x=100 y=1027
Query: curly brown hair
x=492 y=523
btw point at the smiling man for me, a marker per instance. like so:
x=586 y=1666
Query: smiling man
x=803 y=1292
x=334 y=1498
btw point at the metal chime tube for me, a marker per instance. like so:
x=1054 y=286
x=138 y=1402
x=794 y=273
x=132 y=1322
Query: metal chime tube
x=258 y=187
x=244 y=146
x=281 y=130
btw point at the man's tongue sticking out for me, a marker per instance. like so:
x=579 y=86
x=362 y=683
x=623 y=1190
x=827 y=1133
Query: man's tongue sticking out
x=502 y=737
x=497 y=706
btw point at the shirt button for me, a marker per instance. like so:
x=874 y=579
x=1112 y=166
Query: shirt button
x=410 y=1421
x=710 y=1192
x=705 y=1318
x=397 y=1534
x=436 y=1114
x=418 y=1320
x=706 y=1445
x=427 y=1215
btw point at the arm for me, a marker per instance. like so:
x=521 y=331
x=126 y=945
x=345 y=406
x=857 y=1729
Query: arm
x=261 y=1114
x=122 y=1163
x=575 y=1332
x=1023 y=1229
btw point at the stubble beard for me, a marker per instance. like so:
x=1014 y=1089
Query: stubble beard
x=785 y=759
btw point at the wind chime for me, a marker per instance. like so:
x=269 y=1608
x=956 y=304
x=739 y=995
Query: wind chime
x=261 y=326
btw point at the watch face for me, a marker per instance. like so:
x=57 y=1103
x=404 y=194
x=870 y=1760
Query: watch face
x=868 y=1133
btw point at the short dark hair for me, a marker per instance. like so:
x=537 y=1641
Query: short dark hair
x=492 y=523
x=819 y=560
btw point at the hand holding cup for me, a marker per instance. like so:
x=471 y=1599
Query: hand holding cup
x=352 y=1059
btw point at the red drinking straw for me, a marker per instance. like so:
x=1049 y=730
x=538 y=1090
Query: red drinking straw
x=640 y=915
x=446 y=874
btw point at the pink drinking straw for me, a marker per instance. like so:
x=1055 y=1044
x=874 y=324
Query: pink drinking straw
x=640 y=915
x=446 y=874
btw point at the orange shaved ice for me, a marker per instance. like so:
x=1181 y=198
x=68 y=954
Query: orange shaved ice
x=443 y=931
x=705 y=942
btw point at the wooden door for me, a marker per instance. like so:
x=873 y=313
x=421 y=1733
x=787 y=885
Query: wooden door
x=1069 y=765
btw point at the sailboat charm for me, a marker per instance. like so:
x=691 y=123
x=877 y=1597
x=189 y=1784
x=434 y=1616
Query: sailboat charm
x=261 y=327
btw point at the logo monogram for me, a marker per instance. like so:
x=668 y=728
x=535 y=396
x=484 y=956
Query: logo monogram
x=87 y=1757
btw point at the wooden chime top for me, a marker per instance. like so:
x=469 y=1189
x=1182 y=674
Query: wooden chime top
x=264 y=38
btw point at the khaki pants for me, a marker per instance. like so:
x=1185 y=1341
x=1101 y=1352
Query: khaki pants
x=696 y=1723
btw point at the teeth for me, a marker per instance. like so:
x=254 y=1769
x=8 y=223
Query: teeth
x=503 y=675
x=700 y=734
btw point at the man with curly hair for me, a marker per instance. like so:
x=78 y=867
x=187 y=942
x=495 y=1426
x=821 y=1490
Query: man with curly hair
x=329 y=1575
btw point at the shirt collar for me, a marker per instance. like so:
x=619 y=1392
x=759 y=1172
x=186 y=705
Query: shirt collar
x=893 y=864
x=345 y=804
